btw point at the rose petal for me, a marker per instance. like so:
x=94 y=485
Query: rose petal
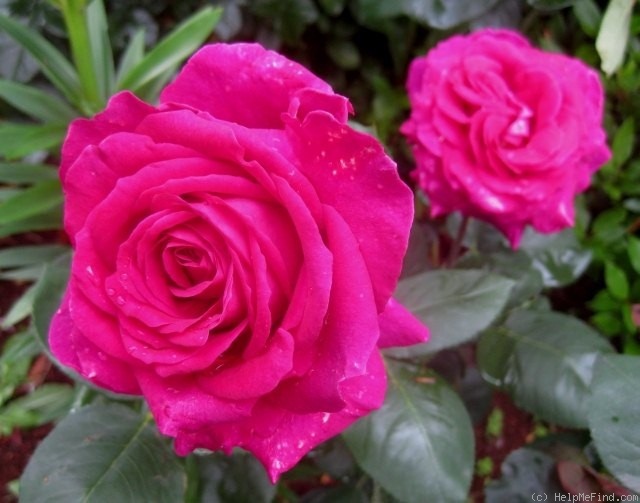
x=240 y=381
x=75 y=350
x=279 y=439
x=241 y=83
x=347 y=168
x=398 y=327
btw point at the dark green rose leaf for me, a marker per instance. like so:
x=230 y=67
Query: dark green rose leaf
x=236 y=478
x=558 y=257
x=104 y=453
x=545 y=361
x=441 y=14
x=419 y=445
x=550 y=4
x=614 y=416
x=456 y=305
x=525 y=473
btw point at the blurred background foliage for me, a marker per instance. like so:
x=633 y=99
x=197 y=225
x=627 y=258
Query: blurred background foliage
x=363 y=48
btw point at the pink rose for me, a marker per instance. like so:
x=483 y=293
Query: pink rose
x=236 y=249
x=504 y=132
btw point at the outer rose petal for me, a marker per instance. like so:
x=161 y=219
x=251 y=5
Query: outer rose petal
x=241 y=83
x=124 y=111
x=79 y=353
x=504 y=132
x=347 y=168
x=398 y=327
x=279 y=439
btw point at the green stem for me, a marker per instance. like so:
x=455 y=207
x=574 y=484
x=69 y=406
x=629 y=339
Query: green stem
x=75 y=19
x=193 y=480
x=454 y=252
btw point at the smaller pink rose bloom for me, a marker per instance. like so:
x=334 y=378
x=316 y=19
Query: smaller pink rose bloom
x=504 y=132
x=235 y=252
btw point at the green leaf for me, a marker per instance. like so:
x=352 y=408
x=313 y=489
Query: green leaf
x=559 y=257
x=133 y=54
x=419 y=445
x=515 y=265
x=151 y=90
x=604 y=301
x=616 y=281
x=37 y=199
x=614 y=416
x=434 y=13
x=289 y=18
x=26 y=263
x=588 y=15
x=608 y=323
x=75 y=17
x=43 y=405
x=633 y=249
x=239 y=477
x=333 y=7
x=341 y=494
x=545 y=361
x=45 y=221
x=25 y=273
x=456 y=305
x=18 y=173
x=48 y=295
x=53 y=64
x=15 y=361
x=104 y=453
x=609 y=226
x=16 y=63
x=20 y=309
x=36 y=103
x=444 y=15
x=526 y=473
x=611 y=42
x=173 y=49
x=550 y=4
x=373 y=12
x=101 y=54
x=19 y=256
x=19 y=140
x=623 y=142
x=8 y=193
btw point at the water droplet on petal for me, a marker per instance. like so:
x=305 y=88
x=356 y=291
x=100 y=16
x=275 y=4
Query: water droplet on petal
x=120 y=300
x=111 y=292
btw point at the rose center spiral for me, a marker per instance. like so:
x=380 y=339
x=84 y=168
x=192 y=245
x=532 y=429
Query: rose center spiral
x=518 y=132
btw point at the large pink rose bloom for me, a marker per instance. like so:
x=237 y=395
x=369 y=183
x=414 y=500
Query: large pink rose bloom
x=236 y=249
x=504 y=132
